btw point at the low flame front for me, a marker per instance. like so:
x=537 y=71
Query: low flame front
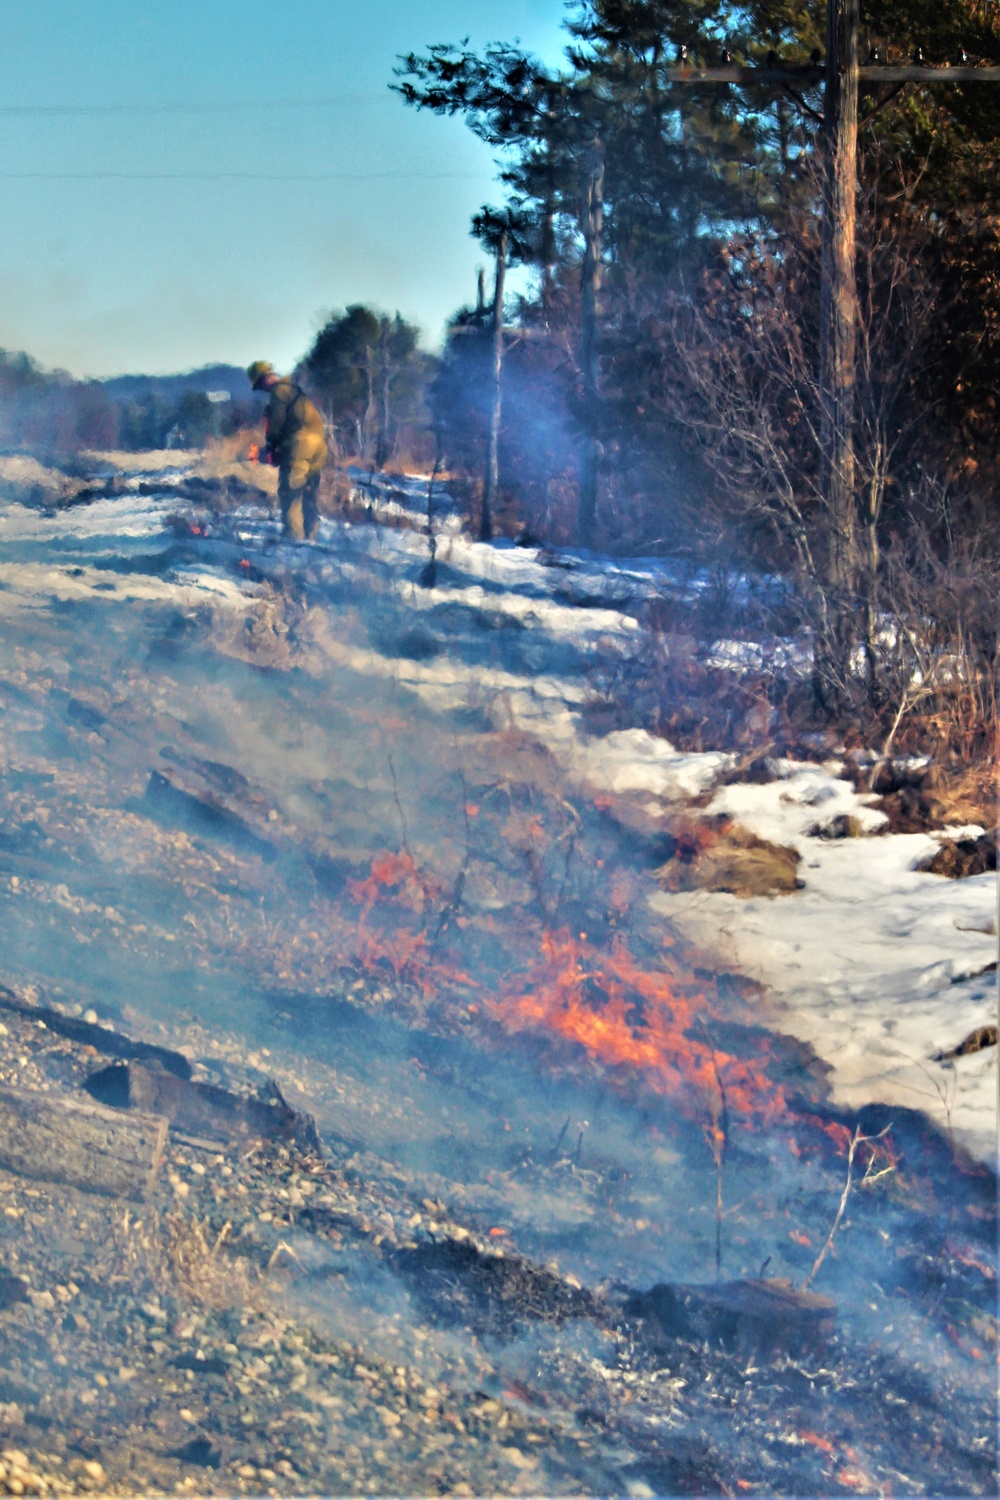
x=652 y=1022
x=648 y=1020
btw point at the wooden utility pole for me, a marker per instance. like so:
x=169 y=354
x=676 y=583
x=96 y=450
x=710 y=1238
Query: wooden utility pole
x=838 y=287
x=592 y=223
x=492 y=481
x=841 y=77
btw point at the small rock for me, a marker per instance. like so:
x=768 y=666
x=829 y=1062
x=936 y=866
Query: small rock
x=518 y=1459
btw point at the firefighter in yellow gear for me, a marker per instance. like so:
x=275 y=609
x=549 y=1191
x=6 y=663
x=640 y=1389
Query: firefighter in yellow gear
x=296 y=442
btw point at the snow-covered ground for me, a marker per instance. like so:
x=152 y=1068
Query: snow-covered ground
x=875 y=963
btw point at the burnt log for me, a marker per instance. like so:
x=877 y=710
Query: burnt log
x=173 y=807
x=85 y=1145
x=203 y=1109
x=90 y=1034
x=764 y=1317
x=226 y=779
x=458 y=1285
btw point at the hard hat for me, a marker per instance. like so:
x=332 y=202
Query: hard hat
x=257 y=371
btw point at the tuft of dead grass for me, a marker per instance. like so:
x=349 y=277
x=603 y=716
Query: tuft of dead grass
x=182 y=1257
x=937 y=795
x=721 y=855
x=230 y=458
x=957 y=859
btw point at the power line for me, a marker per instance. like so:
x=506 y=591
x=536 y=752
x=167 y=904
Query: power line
x=196 y=107
x=235 y=176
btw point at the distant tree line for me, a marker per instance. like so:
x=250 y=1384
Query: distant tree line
x=372 y=381
x=50 y=413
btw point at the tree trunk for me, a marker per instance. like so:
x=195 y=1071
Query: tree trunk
x=547 y=246
x=368 y=419
x=592 y=224
x=839 y=303
x=492 y=481
x=383 y=446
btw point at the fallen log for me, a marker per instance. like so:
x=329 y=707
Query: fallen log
x=85 y=1145
x=756 y=1316
x=173 y=807
x=204 y=1109
x=90 y=1034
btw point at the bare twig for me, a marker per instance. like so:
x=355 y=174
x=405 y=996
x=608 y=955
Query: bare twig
x=452 y=906
x=718 y=1141
x=857 y=1139
x=404 y=834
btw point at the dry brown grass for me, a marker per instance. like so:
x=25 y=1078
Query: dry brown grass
x=182 y=1257
x=146 y=461
x=714 y=854
x=229 y=458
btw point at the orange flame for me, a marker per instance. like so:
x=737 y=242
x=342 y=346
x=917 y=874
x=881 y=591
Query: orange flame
x=406 y=952
x=815 y=1441
x=623 y=1015
x=650 y=1021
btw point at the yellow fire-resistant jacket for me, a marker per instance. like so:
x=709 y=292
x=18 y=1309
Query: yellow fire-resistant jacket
x=294 y=427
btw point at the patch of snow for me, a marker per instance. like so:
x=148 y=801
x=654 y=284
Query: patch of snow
x=632 y=760
x=534 y=704
x=561 y=620
x=112 y=517
x=35 y=584
x=803 y=797
x=758 y=656
x=875 y=963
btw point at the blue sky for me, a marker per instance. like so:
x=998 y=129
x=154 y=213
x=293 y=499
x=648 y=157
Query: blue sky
x=106 y=274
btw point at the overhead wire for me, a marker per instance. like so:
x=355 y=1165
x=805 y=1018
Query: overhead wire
x=211 y=107
x=233 y=176
x=194 y=107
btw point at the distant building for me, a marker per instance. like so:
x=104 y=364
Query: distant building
x=217 y=397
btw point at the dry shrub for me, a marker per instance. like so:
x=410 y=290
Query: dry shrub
x=336 y=489
x=198 y=1268
x=182 y=1257
x=716 y=854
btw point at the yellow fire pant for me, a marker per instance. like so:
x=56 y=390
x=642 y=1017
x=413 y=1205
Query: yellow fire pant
x=298 y=487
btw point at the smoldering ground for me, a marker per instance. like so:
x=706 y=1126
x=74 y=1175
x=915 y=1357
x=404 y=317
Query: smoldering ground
x=255 y=808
